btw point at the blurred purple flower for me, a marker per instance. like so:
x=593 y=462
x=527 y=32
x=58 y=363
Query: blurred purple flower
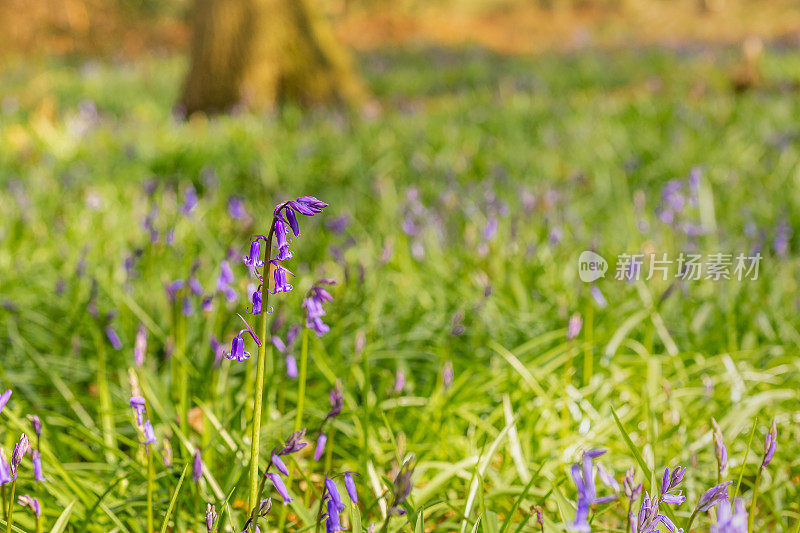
x=4 y=399
x=140 y=345
x=730 y=520
x=197 y=466
x=36 y=459
x=113 y=338
x=320 y=448
x=574 y=326
x=713 y=496
x=770 y=443
x=236 y=208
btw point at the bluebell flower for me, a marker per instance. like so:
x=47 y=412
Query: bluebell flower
x=140 y=345
x=4 y=399
x=770 y=443
x=574 y=326
x=20 y=449
x=713 y=496
x=6 y=474
x=277 y=482
x=36 y=459
x=731 y=520
x=320 y=448
x=149 y=434
x=113 y=338
x=333 y=492
x=36 y=422
x=211 y=517
x=350 y=485
x=32 y=503
x=236 y=208
x=583 y=476
x=197 y=466
x=279 y=274
x=139 y=407
x=278 y=462
x=332 y=523
x=253 y=260
x=189 y=199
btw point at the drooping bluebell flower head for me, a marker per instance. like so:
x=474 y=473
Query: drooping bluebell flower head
x=149 y=434
x=333 y=492
x=401 y=487
x=36 y=422
x=20 y=449
x=597 y=294
x=669 y=486
x=189 y=199
x=172 y=289
x=236 y=208
x=279 y=464
x=7 y=475
x=253 y=260
x=770 y=443
x=399 y=381
x=4 y=399
x=294 y=443
x=256 y=300
x=238 y=352
x=350 y=485
x=211 y=517
x=140 y=345
x=332 y=523
x=197 y=466
x=291 y=366
x=583 y=476
x=713 y=496
x=447 y=375
x=139 y=407
x=36 y=459
x=279 y=276
x=320 y=448
x=277 y=482
x=731 y=520
x=195 y=286
x=113 y=337
x=225 y=280
x=32 y=503
x=313 y=302
x=574 y=326
x=337 y=401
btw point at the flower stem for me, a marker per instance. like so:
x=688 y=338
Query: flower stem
x=5 y=505
x=689 y=523
x=150 y=487
x=588 y=351
x=10 y=519
x=183 y=377
x=260 y=372
x=752 y=518
x=105 y=400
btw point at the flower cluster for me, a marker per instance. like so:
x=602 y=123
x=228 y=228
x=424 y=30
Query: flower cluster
x=143 y=424
x=583 y=474
x=313 y=302
x=334 y=503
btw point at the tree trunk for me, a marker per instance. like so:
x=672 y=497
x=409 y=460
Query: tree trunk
x=260 y=53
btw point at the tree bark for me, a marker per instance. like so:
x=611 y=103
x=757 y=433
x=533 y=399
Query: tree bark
x=261 y=53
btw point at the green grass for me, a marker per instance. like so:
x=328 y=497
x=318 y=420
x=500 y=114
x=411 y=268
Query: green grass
x=586 y=134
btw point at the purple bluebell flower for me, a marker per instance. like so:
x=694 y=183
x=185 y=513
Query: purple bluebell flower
x=447 y=375
x=265 y=506
x=770 y=443
x=113 y=338
x=294 y=443
x=350 y=485
x=278 y=462
x=236 y=208
x=211 y=517
x=332 y=524
x=20 y=449
x=669 y=483
x=713 y=496
x=36 y=458
x=320 y=448
x=253 y=260
x=782 y=236
x=574 y=326
x=632 y=491
x=333 y=492
x=337 y=401
x=731 y=520
x=307 y=205
x=256 y=300
x=32 y=503
x=218 y=350
x=606 y=478
x=139 y=407
x=313 y=302
x=401 y=487
x=338 y=225
x=4 y=399
x=189 y=199
x=598 y=297
x=399 y=381
x=277 y=482
x=36 y=422
x=583 y=475
x=237 y=353
x=279 y=275
x=195 y=286
x=140 y=345
x=173 y=288
x=291 y=366
x=207 y=305
x=197 y=466
x=7 y=475
x=149 y=434
x=187 y=307
x=490 y=231
x=282 y=242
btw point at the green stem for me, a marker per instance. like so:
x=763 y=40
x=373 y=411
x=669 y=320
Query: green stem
x=38 y=525
x=11 y=507
x=752 y=518
x=366 y=413
x=150 y=488
x=5 y=504
x=258 y=397
x=183 y=375
x=105 y=399
x=689 y=524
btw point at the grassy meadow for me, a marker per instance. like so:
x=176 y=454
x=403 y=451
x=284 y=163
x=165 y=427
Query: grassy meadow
x=458 y=206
